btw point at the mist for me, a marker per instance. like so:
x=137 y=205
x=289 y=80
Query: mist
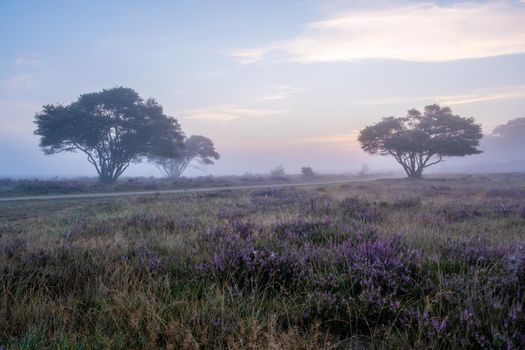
x=261 y=97
x=262 y=174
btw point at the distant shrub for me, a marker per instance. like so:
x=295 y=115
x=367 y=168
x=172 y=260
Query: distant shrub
x=365 y=170
x=7 y=182
x=307 y=172
x=36 y=187
x=278 y=173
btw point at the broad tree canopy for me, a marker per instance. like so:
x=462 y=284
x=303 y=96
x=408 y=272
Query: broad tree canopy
x=421 y=140
x=197 y=148
x=113 y=128
x=514 y=129
x=507 y=141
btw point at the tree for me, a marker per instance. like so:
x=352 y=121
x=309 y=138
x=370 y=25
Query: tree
x=113 y=128
x=365 y=170
x=307 y=172
x=421 y=140
x=278 y=172
x=196 y=148
x=506 y=142
x=513 y=131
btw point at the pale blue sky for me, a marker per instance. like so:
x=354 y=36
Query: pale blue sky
x=271 y=82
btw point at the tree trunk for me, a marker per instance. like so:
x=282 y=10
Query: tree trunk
x=416 y=175
x=106 y=179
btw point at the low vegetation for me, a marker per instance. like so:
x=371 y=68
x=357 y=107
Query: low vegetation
x=422 y=139
x=435 y=263
x=30 y=187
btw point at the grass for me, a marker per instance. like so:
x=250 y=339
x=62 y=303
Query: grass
x=434 y=263
x=34 y=187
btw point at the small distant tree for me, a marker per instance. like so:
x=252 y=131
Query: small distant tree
x=421 y=140
x=364 y=170
x=307 y=172
x=113 y=128
x=507 y=141
x=197 y=149
x=513 y=130
x=278 y=172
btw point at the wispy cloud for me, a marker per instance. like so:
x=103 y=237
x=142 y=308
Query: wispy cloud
x=26 y=74
x=252 y=106
x=425 y=32
x=224 y=113
x=27 y=61
x=345 y=139
x=250 y=56
x=482 y=95
x=281 y=92
x=20 y=81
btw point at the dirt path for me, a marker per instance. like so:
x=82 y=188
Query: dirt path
x=189 y=190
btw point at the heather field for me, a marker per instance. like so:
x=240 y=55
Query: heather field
x=434 y=263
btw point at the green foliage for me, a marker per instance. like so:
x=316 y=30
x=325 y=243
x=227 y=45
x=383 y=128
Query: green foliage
x=421 y=140
x=512 y=129
x=278 y=172
x=307 y=172
x=196 y=148
x=112 y=128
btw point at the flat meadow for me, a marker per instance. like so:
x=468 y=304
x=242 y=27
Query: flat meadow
x=433 y=263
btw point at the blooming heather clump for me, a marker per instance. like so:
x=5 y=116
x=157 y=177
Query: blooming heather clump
x=317 y=203
x=232 y=231
x=405 y=202
x=233 y=213
x=152 y=222
x=456 y=213
x=439 y=325
x=260 y=267
x=516 y=265
x=504 y=209
x=430 y=219
x=276 y=196
x=506 y=193
x=379 y=265
x=359 y=282
x=475 y=253
x=369 y=280
x=317 y=231
x=360 y=209
x=12 y=248
x=148 y=259
x=521 y=211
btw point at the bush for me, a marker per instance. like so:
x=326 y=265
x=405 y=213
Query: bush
x=307 y=172
x=278 y=173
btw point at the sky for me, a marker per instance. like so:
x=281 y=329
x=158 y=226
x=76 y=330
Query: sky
x=270 y=82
